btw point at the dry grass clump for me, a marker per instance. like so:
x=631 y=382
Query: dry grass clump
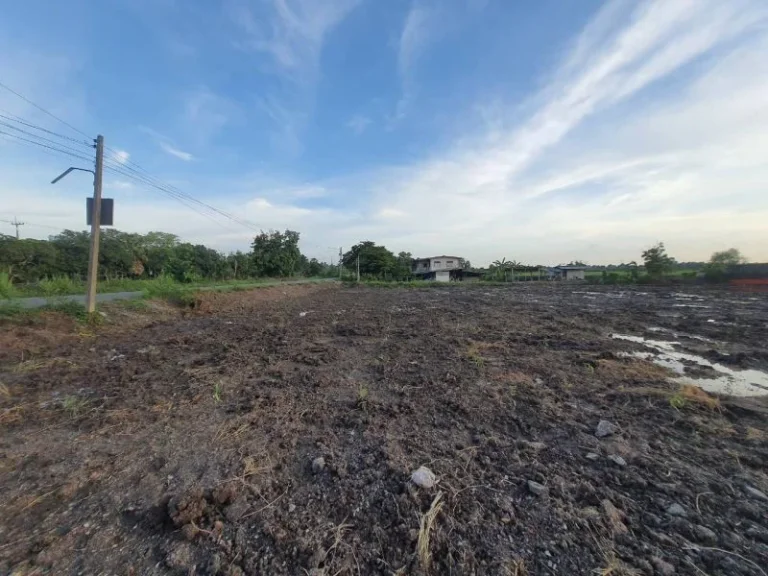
x=425 y=528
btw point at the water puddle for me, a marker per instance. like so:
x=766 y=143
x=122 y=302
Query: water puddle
x=728 y=381
x=680 y=334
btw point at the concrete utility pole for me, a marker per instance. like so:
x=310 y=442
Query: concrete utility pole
x=93 y=259
x=358 y=266
x=341 y=261
x=17 y=224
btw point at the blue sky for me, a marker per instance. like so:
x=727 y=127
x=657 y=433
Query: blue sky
x=541 y=131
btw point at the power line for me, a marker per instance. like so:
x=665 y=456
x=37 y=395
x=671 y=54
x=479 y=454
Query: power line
x=23 y=122
x=43 y=138
x=146 y=177
x=28 y=101
x=31 y=224
x=209 y=214
x=177 y=194
x=45 y=146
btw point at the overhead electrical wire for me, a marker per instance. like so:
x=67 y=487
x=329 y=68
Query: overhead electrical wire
x=23 y=122
x=127 y=168
x=68 y=153
x=40 y=138
x=28 y=101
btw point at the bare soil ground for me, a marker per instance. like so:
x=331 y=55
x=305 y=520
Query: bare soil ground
x=275 y=432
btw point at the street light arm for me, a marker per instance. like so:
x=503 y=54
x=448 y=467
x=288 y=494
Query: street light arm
x=68 y=170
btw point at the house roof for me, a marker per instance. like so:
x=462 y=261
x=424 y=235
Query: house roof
x=570 y=267
x=433 y=257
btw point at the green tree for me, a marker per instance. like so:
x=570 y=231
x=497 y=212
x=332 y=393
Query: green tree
x=716 y=268
x=657 y=261
x=276 y=253
x=375 y=261
x=404 y=267
x=730 y=257
x=28 y=260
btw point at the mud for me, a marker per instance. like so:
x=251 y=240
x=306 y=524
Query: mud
x=192 y=445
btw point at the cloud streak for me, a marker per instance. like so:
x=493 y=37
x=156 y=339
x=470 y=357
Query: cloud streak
x=290 y=33
x=175 y=152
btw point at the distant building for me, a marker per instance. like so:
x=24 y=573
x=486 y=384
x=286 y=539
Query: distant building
x=570 y=272
x=439 y=268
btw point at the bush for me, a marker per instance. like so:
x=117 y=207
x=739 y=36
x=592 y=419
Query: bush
x=7 y=290
x=163 y=287
x=59 y=286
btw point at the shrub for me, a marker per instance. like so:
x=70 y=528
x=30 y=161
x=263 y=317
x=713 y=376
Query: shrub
x=7 y=290
x=59 y=286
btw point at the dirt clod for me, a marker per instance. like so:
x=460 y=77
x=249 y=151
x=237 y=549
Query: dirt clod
x=187 y=507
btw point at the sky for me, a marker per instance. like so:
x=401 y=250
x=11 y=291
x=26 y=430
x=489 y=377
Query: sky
x=543 y=132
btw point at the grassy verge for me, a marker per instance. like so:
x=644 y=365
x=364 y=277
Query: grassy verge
x=15 y=313
x=65 y=286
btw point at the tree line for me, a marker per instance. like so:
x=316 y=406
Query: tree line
x=273 y=254
x=130 y=255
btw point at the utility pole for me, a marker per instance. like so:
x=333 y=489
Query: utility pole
x=358 y=266
x=17 y=224
x=341 y=261
x=93 y=258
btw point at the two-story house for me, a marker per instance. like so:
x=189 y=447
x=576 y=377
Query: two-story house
x=439 y=268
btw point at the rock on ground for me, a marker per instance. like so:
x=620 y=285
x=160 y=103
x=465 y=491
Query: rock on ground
x=605 y=428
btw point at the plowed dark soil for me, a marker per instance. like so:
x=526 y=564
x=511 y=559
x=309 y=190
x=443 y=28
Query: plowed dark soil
x=276 y=433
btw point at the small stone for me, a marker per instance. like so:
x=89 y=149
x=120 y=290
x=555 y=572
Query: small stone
x=605 y=428
x=592 y=456
x=618 y=460
x=676 y=510
x=704 y=534
x=663 y=568
x=423 y=477
x=318 y=464
x=537 y=446
x=537 y=489
x=291 y=507
x=755 y=493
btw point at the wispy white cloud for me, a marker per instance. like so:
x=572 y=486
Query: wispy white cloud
x=291 y=32
x=175 y=152
x=540 y=171
x=415 y=36
x=167 y=145
x=359 y=123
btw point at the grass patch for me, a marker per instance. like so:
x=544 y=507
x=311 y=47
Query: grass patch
x=690 y=394
x=7 y=290
x=16 y=313
x=60 y=286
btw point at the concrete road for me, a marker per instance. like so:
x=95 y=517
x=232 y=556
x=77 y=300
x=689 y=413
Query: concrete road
x=39 y=301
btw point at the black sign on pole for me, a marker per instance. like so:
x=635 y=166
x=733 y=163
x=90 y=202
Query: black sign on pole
x=107 y=211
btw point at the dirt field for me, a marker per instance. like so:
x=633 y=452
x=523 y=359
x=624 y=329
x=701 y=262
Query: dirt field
x=276 y=431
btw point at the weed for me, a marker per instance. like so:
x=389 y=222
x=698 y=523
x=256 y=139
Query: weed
x=74 y=405
x=425 y=528
x=517 y=568
x=690 y=394
x=677 y=401
x=5 y=392
x=362 y=397
x=7 y=290
x=217 y=389
x=473 y=355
